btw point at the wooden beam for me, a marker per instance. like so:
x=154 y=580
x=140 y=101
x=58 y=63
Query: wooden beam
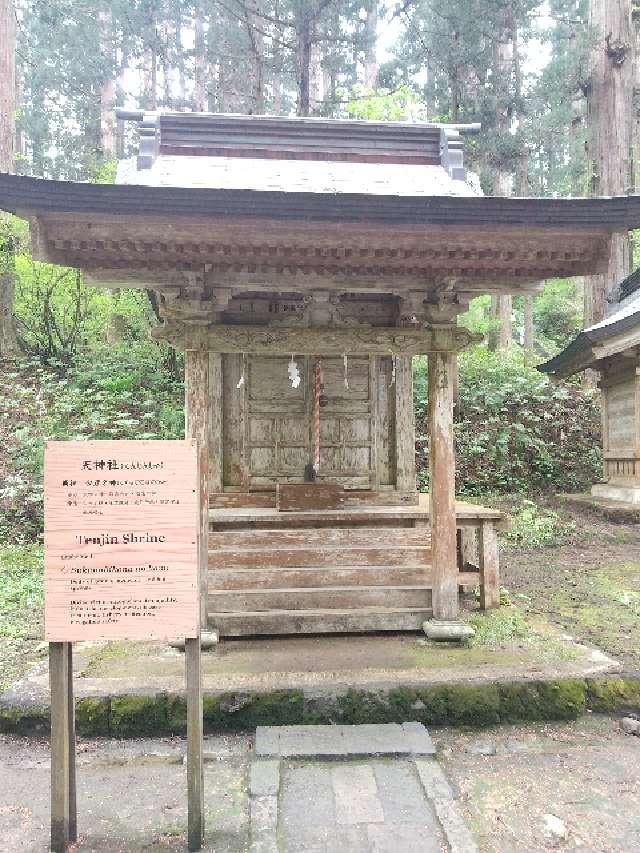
x=216 y=449
x=489 y=566
x=196 y=392
x=195 y=763
x=441 y=369
x=277 y=340
x=63 y=796
x=405 y=430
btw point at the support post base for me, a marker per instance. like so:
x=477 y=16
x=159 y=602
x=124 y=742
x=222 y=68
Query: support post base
x=447 y=631
x=208 y=640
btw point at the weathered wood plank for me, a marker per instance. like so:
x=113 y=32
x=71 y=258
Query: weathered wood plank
x=442 y=478
x=405 y=433
x=327 y=598
x=468 y=547
x=195 y=762
x=196 y=388
x=216 y=447
x=304 y=496
x=489 y=566
x=62 y=748
x=71 y=720
x=262 y=558
x=314 y=536
x=313 y=576
x=319 y=621
x=281 y=340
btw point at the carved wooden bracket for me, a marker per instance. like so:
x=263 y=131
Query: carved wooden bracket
x=316 y=340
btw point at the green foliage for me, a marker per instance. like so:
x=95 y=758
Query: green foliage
x=52 y=309
x=478 y=318
x=402 y=104
x=499 y=627
x=531 y=528
x=106 y=172
x=21 y=590
x=126 y=391
x=515 y=431
x=558 y=311
x=57 y=316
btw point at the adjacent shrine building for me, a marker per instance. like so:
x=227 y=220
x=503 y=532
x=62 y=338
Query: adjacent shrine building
x=612 y=347
x=300 y=264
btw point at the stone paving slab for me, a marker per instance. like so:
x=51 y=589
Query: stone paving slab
x=352 y=789
x=264 y=778
x=356 y=795
x=356 y=807
x=343 y=741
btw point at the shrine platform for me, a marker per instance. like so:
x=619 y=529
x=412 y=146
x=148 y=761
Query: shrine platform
x=130 y=689
x=619 y=512
x=359 y=568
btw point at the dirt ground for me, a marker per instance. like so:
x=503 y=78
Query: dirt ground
x=566 y=787
x=523 y=789
x=589 y=585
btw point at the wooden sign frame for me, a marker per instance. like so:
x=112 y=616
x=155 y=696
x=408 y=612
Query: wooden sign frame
x=64 y=824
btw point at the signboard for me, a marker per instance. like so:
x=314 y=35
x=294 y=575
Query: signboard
x=121 y=540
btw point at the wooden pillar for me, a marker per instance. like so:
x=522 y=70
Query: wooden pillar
x=63 y=756
x=468 y=547
x=196 y=393
x=441 y=369
x=216 y=483
x=195 y=763
x=405 y=426
x=489 y=566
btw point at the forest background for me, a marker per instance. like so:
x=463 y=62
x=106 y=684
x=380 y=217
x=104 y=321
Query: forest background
x=80 y=363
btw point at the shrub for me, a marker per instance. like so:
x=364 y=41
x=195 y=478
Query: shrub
x=515 y=430
x=532 y=528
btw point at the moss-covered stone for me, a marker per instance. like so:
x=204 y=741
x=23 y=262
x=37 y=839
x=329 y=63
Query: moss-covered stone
x=92 y=717
x=361 y=706
x=613 y=694
x=24 y=720
x=474 y=705
x=242 y=711
x=138 y=716
x=176 y=714
x=563 y=700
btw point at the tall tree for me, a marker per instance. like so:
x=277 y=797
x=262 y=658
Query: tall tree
x=8 y=340
x=371 y=67
x=610 y=124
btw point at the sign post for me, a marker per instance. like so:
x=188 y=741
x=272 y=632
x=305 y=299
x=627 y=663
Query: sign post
x=122 y=553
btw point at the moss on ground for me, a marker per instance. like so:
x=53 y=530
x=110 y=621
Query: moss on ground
x=24 y=721
x=93 y=717
x=613 y=694
x=472 y=705
x=138 y=716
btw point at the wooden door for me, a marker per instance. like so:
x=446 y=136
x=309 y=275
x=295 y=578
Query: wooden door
x=268 y=425
x=277 y=423
x=347 y=423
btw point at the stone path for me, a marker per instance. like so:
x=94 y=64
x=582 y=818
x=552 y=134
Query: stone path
x=351 y=789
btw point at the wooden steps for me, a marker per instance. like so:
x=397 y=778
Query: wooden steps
x=314 y=598
x=298 y=556
x=338 y=621
x=318 y=579
x=317 y=576
x=258 y=538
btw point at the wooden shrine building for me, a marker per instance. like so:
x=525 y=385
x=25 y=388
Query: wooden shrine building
x=300 y=264
x=612 y=347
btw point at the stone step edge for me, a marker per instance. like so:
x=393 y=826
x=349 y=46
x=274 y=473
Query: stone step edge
x=457 y=703
x=406 y=739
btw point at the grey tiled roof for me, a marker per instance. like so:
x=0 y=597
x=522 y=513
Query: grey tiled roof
x=296 y=176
